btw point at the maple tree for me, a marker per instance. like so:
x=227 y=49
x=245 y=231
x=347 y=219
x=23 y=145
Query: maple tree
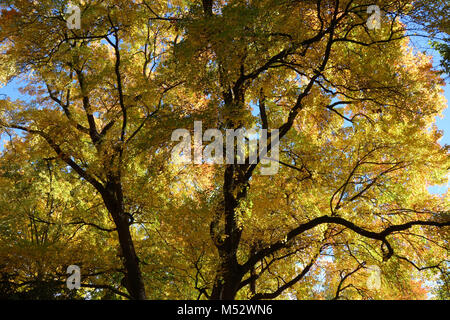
x=87 y=166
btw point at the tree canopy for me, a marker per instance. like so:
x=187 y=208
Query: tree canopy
x=87 y=176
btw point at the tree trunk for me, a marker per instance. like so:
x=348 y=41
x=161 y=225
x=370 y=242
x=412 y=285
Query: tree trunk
x=229 y=273
x=226 y=284
x=112 y=197
x=134 y=282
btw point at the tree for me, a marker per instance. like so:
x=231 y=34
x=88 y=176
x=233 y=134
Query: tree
x=355 y=111
x=45 y=228
x=312 y=65
x=95 y=96
x=433 y=18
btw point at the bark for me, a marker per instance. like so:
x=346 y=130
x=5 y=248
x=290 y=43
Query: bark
x=112 y=197
x=227 y=282
x=230 y=272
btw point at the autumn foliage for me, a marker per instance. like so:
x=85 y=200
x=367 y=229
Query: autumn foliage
x=86 y=176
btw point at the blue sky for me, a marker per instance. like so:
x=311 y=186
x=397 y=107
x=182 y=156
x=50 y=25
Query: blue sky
x=444 y=122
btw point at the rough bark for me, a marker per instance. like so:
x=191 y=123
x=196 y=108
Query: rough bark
x=112 y=197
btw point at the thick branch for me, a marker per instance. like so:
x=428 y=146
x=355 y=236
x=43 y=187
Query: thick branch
x=66 y=158
x=340 y=221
